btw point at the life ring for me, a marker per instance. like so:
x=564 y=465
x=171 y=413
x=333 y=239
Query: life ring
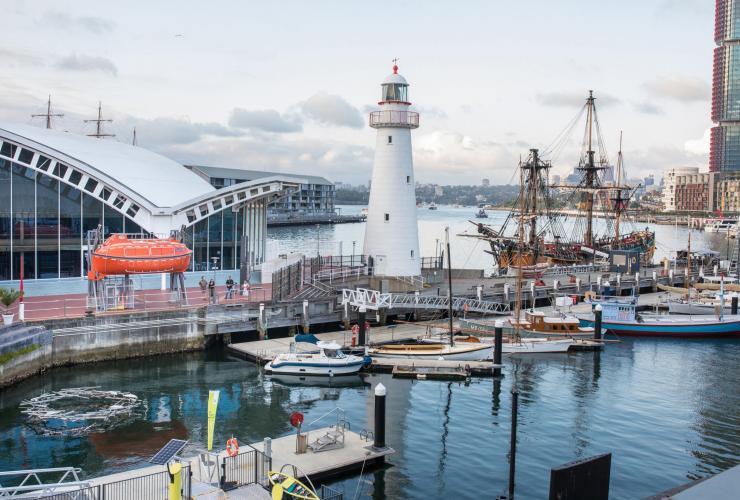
x=232 y=447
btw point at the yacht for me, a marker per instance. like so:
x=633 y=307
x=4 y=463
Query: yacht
x=720 y=225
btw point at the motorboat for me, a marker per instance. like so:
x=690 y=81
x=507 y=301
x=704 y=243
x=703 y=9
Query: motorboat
x=481 y=214
x=329 y=361
x=619 y=317
x=720 y=225
x=536 y=346
x=432 y=206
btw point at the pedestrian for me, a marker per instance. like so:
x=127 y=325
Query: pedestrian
x=212 y=291
x=245 y=289
x=203 y=284
x=229 y=288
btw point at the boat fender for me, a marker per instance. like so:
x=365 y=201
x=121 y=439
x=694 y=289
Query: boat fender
x=232 y=447
x=367 y=361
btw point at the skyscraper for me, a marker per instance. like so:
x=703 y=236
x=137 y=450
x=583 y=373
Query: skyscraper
x=724 y=153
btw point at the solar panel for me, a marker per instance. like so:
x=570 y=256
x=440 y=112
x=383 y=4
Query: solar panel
x=168 y=451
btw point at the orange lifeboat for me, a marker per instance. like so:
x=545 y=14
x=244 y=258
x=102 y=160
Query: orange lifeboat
x=119 y=255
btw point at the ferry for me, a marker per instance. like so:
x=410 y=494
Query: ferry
x=720 y=225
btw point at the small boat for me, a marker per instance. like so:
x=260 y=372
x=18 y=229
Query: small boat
x=462 y=351
x=720 y=225
x=328 y=361
x=619 y=317
x=535 y=324
x=432 y=206
x=512 y=346
x=119 y=255
x=697 y=306
x=481 y=214
x=286 y=486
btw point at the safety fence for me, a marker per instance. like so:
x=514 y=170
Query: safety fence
x=432 y=262
x=287 y=281
x=151 y=486
x=247 y=467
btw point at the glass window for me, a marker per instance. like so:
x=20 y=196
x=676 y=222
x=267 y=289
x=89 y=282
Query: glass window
x=134 y=209
x=395 y=92
x=90 y=185
x=47 y=226
x=200 y=245
x=60 y=170
x=5 y=219
x=70 y=231
x=43 y=163
x=8 y=149
x=92 y=215
x=119 y=201
x=26 y=156
x=214 y=239
x=105 y=194
x=113 y=221
x=24 y=220
x=229 y=250
x=75 y=177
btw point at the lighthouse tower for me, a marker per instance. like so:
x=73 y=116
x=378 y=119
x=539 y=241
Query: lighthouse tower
x=391 y=231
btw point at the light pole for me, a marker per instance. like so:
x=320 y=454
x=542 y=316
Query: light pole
x=436 y=250
x=352 y=259
x=215 y=266
x=318 y=240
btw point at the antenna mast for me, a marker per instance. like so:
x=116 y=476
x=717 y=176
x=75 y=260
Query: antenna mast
x=99 y=124
x=48 y=115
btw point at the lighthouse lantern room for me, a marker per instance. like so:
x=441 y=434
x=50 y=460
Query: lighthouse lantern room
x=391 y=232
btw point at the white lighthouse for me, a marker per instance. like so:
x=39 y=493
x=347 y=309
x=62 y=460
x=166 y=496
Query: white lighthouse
x=391 y=232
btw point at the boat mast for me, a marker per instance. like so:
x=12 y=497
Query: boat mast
x=688 y=269
x=618 y=200
x=590 y=173
x=49 y=115
x=520 y=245
x=449 y=283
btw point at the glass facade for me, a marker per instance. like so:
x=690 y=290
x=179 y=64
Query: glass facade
x=724 y=152
x=395 y=92
x=43 y=223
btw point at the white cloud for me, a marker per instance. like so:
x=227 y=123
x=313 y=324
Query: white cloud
x=332 y=109
x=81 y=62
x=63 y=21
x=267 y=120
x=699 y=146
x=679 y=89
x=573 y=99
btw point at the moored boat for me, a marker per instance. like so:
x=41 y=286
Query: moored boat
x=463 y=351
x=328 y=361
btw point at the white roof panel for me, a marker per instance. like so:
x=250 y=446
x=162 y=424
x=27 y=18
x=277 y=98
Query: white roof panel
x=161 y=181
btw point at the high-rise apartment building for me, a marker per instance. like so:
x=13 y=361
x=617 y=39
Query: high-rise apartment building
x=724 y=154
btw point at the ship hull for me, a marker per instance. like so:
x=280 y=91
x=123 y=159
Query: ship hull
x=694 y=329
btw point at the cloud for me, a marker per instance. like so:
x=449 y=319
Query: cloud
x=648 y=108
x=573 y=99
x=332 y=109
x=167 y=131
x=79 y=62
x=447 y=156
x=679 y=89
x=266 y=120
x=19 y=57
x=432 y=112
x=699 y=146
x=62 y=20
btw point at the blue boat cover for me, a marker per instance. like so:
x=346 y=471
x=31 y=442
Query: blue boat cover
x=308 y=337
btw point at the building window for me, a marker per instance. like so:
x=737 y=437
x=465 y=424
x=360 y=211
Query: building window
x=90 y=185
x=26 y=156
x=75 y=177
x=412 y=254
x=387 y=217
x=390 y=139
x=408 y=179
x=8 y=149
x=43 y=163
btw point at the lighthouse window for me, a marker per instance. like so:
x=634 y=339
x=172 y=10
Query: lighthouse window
x=390 y=139
x=387 y=217
x=395 y=92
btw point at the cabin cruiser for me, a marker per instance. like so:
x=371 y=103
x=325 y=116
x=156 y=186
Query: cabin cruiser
x=720 y=225
x=328 y=361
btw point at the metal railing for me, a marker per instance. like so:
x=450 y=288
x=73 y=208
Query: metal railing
x=432 y=262
x=248 y=467
x=327 y=493
x=393 y=118
x=372 y=299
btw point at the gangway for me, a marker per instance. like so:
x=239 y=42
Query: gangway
x=374 y=300
x=40 y=483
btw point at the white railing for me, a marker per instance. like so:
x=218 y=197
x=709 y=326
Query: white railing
x=370 y=299
x=391 y=118
x=39 y=483
x=341 y=273
x=417 y=281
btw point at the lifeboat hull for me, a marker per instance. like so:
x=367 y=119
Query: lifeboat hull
x=122 y=256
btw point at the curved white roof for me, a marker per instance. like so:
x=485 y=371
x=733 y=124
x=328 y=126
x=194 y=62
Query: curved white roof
x=157 y=179
x=395 y=78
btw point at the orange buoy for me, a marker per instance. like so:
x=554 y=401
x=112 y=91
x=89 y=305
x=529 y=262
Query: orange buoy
x=232 y=447
x=119 y=255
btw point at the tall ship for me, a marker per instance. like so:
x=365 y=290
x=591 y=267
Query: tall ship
x=552 y=236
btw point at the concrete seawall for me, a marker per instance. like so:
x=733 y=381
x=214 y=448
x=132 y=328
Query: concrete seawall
x=26 y=350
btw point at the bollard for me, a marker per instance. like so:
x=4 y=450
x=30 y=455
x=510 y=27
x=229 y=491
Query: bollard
x=734 y=304
x=512 y=446
x=306 y=323
x=175 y=487
x=554 y=285
x=267 y=446
x=361 y=318
x=597 y=322
x=715 y=269
x=261 y=323
x=497 y=346
x=379 y=433
x=637 y=282
x=22 y=311
x=479 y=292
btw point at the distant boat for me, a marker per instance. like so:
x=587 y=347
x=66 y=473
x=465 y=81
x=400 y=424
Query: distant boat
x=720 y=226
x=465 y=351
x=432 y=206
x=481 y=214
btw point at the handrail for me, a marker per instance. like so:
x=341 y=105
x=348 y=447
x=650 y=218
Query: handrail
x=336 y=408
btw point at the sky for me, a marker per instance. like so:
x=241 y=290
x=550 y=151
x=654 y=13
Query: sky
x=286 y=86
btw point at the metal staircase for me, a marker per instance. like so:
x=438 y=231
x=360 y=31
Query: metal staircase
x=372 y=299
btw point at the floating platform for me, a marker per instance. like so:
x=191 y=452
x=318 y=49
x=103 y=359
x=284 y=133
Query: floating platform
x=431 y=372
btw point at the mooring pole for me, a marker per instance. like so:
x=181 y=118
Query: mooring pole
x=733 y=304
x=379 y=434
x=497 y=347
x=512 y=448
x=361 y=315
x=597 y=322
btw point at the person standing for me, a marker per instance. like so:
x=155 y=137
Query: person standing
x=229 y=288
x=212 y=291
x=203 y=284
x=245 y=289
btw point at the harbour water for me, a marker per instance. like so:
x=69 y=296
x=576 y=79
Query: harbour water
x=668 y=410
x=468 y=252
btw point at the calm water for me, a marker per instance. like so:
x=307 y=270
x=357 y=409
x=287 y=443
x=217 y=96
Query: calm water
x=669 y=411
x=466 y=252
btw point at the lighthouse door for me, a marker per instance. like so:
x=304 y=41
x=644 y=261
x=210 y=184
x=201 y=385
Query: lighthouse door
x=380 y=264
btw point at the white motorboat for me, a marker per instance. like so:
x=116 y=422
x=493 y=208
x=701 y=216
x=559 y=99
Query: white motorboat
x=720 y=225
x=536 y=346
x=705 y=307
x=328 y=361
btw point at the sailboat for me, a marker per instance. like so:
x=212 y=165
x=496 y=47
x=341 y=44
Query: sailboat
x=547 y=242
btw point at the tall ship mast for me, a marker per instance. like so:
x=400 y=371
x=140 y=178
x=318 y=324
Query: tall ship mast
x=553 y=237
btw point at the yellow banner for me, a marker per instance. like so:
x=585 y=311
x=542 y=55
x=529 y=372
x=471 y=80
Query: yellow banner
x=212 y=407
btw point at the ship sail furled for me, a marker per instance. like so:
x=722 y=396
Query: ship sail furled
x=543 y=228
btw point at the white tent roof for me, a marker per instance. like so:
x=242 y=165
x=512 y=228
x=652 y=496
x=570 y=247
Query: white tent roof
x=161 y=181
